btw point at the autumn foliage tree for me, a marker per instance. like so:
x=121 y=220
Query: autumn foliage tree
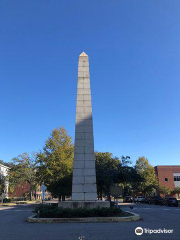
x=176 y=191
x=23 y=169
x=165 y=190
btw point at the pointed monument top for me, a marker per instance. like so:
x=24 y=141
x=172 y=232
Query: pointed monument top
x=83 y=54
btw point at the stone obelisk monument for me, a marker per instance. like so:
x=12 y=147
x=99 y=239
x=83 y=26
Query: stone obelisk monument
x=84 y=189
x=84 y=173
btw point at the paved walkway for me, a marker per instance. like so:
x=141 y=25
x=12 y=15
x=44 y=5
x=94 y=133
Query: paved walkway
x=13 y=226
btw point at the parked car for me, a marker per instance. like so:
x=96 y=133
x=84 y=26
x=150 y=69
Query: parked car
x=157 y=200
x=147 y=200
x=128 y=199
x=135 y=199
x=140 y=199
x=170 y=201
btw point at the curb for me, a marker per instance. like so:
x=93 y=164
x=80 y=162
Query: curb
x=33 y=219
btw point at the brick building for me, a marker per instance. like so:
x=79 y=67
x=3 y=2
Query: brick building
x=23 y=190
x=168 y=176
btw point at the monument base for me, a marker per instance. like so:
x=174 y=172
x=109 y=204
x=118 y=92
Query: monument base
x=83 y=204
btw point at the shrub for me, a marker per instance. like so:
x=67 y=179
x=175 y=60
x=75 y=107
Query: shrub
x=46 y=211
x=6 y=200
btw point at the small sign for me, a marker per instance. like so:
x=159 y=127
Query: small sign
x=116 y=191
x=43 y=189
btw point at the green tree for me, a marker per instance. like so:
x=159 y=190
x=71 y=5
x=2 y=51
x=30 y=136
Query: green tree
x=147 y=172
x=128 y=176
x=2 y=187
x=111 y=170
x=5 y=163
x=55 y=163
x=107 y=170
x=61 y=187
x=165 y=190
x=176 y=191
x=23 y=169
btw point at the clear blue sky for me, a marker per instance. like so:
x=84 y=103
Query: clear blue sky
x=134 y=52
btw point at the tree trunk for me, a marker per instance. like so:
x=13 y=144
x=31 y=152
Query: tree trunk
x=108 y=197
x=30 y=197
x=101 y=195
x=31 y=191
x=35 y=195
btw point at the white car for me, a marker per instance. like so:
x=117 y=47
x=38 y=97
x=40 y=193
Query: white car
x=140 y=199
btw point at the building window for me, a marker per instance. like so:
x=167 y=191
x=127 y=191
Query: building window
x=166 y=179
x=176 y=178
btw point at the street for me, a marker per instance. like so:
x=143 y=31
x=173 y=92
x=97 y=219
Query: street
x=13 y=225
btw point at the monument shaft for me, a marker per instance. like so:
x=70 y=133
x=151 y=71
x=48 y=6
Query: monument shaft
x=84 y=173
x=84 y=189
